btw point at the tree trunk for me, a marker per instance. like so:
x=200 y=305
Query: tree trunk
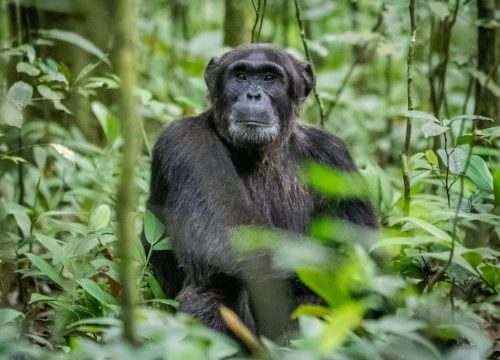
x=238 y=22
x=487 y=103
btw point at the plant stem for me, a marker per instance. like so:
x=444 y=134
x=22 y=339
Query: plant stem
x=126 y=196
x=409 y=74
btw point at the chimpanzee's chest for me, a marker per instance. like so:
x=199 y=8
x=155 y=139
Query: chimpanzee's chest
x=280 y=196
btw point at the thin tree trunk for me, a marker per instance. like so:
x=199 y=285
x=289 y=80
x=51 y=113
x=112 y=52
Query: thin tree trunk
x=487 y=104
x=126 y=200
x=237 y=22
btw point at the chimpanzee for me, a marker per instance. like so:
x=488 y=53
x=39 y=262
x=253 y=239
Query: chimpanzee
x=238 y=164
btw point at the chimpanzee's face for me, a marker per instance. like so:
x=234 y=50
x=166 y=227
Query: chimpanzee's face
x=256 y=95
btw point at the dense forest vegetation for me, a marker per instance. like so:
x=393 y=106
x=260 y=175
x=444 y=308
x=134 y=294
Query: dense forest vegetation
x=413 y=87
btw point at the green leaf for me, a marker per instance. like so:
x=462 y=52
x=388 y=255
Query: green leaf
x=96 y=292
x=471 y=117
x=320 y=282
x=75 y=39
x=20 y=93
x=153 y=228
x=162 y=245
x=431 y=157
x=55 y=249
x=335 y=183
x=49 y=271
x=457 y=159
x=100 y=217
x=465 y=139
x=23 y=67
x=64 y=151
x=473 y=258
x=311 y=310
x=431 y=129
x=340 y=322
x=9 y=315
x=491 y=274
x=431 y=229
x=496 y=186
x=479 y=173
x=109 y=122
x=418 y=115
x=49 y=94
x=11 y=114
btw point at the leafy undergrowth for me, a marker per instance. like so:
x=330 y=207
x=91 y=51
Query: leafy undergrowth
x=424 y=286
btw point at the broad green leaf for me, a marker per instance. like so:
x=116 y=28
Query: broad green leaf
x=96 y=292
x=9 y=315
x=479 y=173
x=163 y=244
x=339 y=324
x=431 y=157
x=49 y=271
x=75 y=39
x=424 y=225
x=20 y=93
x=457 y=159
x=15 y=159
x=109 y=122
x=321 y=284
x=100 y=217
x=496 y=186
x=23 y=67
x=491 y=275
x=55 y=249
x=431 y=129
x=153 y=228
x=418 y=115
x=20 y=214
x=49 y=94
x=335 y=183
x=473 y=258
x=171 y=303
x=11 y=114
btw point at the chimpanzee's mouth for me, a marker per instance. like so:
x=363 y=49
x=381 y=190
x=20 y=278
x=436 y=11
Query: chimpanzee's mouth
x=256 y=123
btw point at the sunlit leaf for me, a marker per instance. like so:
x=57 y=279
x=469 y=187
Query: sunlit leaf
x=64 y=152
x=28 y=69
x=431 y=157
x=496 y=186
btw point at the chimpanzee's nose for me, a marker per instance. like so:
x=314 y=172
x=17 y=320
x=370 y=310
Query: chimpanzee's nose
x=253 y=95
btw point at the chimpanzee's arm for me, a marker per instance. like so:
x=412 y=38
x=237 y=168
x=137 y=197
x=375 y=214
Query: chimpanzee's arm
x=196 y=192
x=325 y=148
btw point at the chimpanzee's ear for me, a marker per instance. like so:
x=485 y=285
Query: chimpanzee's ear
x=307 y=74
x=210 y=73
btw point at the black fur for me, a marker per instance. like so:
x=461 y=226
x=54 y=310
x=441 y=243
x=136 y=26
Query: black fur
x=207 y=180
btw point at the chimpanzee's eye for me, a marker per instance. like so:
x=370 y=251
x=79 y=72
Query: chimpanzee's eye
x=269 y=77
x=240 y=76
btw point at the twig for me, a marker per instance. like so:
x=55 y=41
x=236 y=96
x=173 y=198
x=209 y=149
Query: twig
x=259 y=19
x=440 y=273
x=235 y=324
x=300 y=21
x=409 y=74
